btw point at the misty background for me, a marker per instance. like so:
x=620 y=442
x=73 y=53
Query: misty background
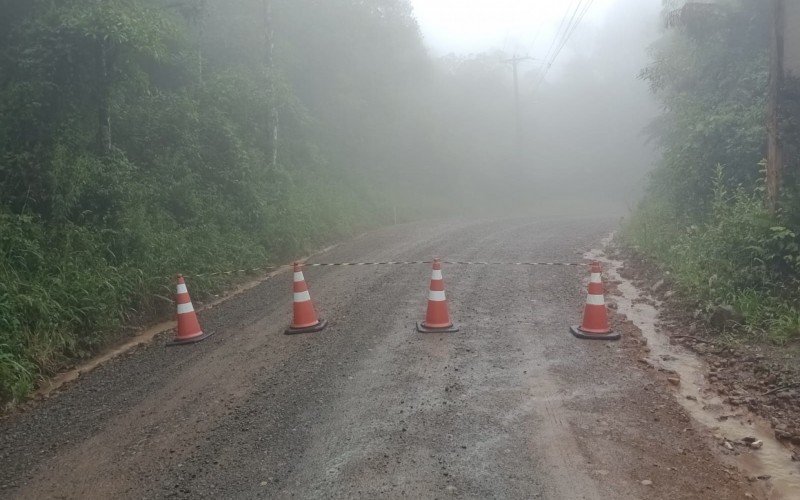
x=141 y=138
x=583 y=119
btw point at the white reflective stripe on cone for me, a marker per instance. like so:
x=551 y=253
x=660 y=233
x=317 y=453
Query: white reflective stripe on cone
x=298 y=276
x=595 y=278
x=436 y=274
x=595 y=300
x=302 y=296
x=436 y=296
x=182 y=288
x=185 y=308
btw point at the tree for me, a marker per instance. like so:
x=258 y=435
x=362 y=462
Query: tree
x=710 y=71
x=109 y=34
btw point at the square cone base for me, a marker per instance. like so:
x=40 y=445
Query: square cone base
x=192 y=340
x=309 y=329
x=576 y=330
x=424 y=329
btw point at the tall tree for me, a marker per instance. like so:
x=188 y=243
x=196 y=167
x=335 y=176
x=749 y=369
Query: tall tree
x=109 y=33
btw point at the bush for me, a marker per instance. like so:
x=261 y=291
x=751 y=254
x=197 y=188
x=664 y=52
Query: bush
x=66 y=288
x=740 y=255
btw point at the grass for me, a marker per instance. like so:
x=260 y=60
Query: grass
x=739 y=255
x=67 y=289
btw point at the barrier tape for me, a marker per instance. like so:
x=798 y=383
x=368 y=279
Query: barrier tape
x=456 y=262
x=220 y=273
x=515 y=263
x=388 y=263
x=391 y=263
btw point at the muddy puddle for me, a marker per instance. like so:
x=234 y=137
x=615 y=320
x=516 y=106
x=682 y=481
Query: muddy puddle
x=695 y=394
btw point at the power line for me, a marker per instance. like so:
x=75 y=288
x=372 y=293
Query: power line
x=565 y=32
x=575 y=20
x=574 y=26
x=558 y=32
x=573 y=16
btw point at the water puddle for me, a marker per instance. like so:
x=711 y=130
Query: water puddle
x=696 y=396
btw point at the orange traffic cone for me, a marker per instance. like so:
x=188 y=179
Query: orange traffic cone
x=305 y=318
x=595 y=316
x=437 y=318
x=188 y=330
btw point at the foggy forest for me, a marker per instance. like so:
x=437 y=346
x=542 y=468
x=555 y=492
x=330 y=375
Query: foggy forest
x=134 y=131
x=144 y=138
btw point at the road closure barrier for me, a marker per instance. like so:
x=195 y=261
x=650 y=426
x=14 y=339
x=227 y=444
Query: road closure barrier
x=437 y=317
x=449 y=262
x=594 y=325
x=388 y=263
x=188 y=330
x=595 y=315
x=305 y=318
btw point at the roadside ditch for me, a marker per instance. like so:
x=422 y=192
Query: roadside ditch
x=747 y=396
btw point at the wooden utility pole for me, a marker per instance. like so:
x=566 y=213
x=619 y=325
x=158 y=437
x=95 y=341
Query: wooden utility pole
x=775 y=156
x=514 y=62
x=791 y=41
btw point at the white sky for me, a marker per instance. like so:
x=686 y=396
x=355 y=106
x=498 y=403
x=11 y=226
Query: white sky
x=472 y=26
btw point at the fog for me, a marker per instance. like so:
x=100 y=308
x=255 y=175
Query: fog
x=256 y=130
x=582 y=132
x=415 y=101
x=474 y=26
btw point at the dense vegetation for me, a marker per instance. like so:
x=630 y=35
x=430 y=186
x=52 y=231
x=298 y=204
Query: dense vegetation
x=705 y=217
x=141 y=138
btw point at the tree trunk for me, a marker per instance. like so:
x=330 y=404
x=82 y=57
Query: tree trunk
x=791 y=40
x=275 y=123
x=200 y=38
x=269 y=62
x=775 y=155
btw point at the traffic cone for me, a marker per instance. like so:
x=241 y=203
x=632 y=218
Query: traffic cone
x=595 y=316
x=188 y=330
x=437 y=319
x=305 y=318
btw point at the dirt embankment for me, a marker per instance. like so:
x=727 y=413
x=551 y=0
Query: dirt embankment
x=746 y=373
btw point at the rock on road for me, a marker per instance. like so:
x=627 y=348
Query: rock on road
x=512 y=406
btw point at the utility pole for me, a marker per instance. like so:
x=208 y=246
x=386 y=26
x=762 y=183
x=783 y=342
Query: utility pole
x=784 y=69
x=775 y=153
x=514 y=62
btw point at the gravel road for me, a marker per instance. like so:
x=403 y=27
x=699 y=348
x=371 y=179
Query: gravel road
x=512 y=406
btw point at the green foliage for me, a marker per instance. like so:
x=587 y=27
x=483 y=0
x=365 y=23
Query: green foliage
x=708 y=226
x=740 y=255
x=137 y=143
x=710 y=73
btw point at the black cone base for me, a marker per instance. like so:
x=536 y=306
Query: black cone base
x=309 y=329
x=576 y=330
x=192 y=340
x=424 y=329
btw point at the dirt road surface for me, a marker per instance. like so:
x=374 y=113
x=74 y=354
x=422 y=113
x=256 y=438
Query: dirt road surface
x=512 y=406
